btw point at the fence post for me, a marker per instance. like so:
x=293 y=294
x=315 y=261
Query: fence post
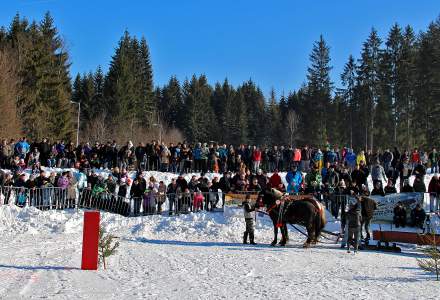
x=27 y=197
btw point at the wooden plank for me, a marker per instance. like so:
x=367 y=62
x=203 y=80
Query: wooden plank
x=238 y=198
x=406 y=237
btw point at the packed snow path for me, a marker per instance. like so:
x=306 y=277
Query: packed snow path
x=192 y=257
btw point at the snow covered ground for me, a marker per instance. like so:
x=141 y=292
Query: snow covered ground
x=195 y=256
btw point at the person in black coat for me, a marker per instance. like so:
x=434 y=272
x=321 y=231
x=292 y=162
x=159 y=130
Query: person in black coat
x=390 y=188
x=378 y=190
x=418 y=216
x=399 y=215
x=406 y=187
x=358 y=176
x=182 y=183
x=171 y=194
x=136 y=192
x=45 y=149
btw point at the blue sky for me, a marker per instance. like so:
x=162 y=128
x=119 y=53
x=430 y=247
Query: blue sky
x=268 y=41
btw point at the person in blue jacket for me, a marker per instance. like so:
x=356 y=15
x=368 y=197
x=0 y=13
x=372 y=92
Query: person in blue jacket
x=351 y=159
x=22 y=148
x=197 y=155
x=294 y=180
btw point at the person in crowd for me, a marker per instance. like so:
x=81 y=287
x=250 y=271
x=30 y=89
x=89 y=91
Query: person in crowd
x=434 y=158
x=361 y=157
x=149 y=200
x=198 y=200
x=171 y=194
x=305 y=159
x=399 y=218
x=390 y=187
x=275 y=181
x=368 y=206
x=161 y=196
x=415 y=158
x=418 y=216
x=22 y=148
x=434 y=193
x=418 y=185
x=249 y=216
x=313 y=180
x=137 y=191
x=242 y=183
x=378 y=173
x=225 y=182
x=193 y=183
x=377 y=189
x=350 y=158
x=294 y=180
x=256 y=159
x=254 y=186
x=122 y=191
x=354 y=216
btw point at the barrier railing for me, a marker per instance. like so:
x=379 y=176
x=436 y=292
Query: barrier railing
x=156 y=203
x=50 y=198
x=14 y=195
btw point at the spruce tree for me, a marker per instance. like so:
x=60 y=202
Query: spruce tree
x=171 y=105
x=318 y=92
x=348 y=80
x=198 y=114
x=274 y=120
x=368 y=75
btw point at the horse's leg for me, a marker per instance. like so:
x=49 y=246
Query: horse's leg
x=283 y=229
x=286 y=232
x=318 y=227
x=310 y=235
x=275 y=234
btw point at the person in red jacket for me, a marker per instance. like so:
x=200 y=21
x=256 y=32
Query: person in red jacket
x=256 y=159
x=415 y=158
x=296 y=157
x=275 y=181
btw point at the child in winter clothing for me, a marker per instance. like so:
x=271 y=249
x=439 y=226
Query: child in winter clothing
x=249 y=215
x=354 y=216
x=198 y=200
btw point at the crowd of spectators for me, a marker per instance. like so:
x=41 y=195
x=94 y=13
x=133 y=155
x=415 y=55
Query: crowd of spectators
x=330 y=171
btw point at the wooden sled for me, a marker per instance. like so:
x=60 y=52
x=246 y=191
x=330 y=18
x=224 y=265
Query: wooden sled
x=406 y=237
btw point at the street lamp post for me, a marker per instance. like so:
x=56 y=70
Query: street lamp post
x=77 y=126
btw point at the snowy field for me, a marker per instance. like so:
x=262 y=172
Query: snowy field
x=195 y=256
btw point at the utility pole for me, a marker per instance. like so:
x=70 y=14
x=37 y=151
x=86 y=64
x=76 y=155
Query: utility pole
x=77 y=126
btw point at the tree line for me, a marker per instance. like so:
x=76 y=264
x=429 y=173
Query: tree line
x=388 y=95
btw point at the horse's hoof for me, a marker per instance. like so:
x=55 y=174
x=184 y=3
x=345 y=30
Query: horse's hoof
x=306 y=245
x=273 y=244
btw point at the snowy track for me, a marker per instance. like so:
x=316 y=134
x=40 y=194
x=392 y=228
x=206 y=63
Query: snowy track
x=192 y=257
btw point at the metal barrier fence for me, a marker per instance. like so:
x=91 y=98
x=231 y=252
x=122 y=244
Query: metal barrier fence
x=104 y=201
x=151 y=203
x=155 y=203
x=41 y=198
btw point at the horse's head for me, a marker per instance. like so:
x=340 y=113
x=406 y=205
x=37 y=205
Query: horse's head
x=269 y=197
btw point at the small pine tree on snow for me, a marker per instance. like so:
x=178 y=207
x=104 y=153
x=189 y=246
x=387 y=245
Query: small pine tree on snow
x=432 y=261
x=107 y=246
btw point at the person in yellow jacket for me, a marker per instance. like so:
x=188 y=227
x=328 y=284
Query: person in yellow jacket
x=361 y=157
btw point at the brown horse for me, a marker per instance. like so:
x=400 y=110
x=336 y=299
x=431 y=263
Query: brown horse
x=304 y=210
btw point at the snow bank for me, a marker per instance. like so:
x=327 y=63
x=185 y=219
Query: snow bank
x=202 y=226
